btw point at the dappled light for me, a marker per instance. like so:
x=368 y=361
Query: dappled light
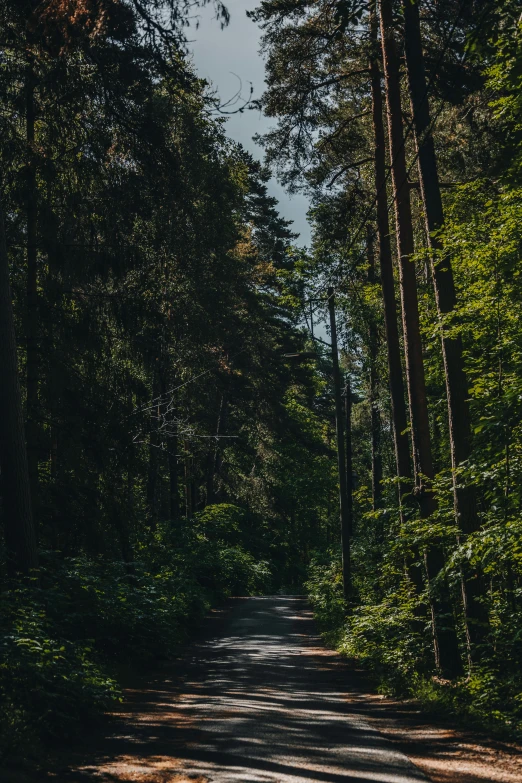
x=260 y=497
x=263 y=701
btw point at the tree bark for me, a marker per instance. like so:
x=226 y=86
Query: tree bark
x=344 y=510
x=349 y=452
x=222 y=429
x=212 y=454
x=211 y=461
x=393 y=347
x=32 y=319
x=19 y=530
x=172 y=443
x=374 y=409
x=445 y=296
x=153 y=466
x=446 y=650
x=193 y=487
x=421 y=443
x=397 y=396
x=189 y=509
x=173 y=478
x=442 y=273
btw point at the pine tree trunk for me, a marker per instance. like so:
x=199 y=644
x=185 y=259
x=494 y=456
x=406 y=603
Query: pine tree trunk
x=173 y=478
x=445 y=639
x=456 y=382
x=344 y=509
x=32 y=324
x=211 y=461
x=374 y=409
x=169 y=414
x=189 y=510
x=17 y=510
x=397 y=396
x=193 y=487
x=54 y=393
x=376 y=439
x=222 y=429
x=396 y=383
x=153 y=466
x=349 y=452
x=212 y=455
x=422 y=458
x=152 y=478
x=445 y=296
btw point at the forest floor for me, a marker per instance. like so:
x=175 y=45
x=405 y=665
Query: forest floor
x=259 y=699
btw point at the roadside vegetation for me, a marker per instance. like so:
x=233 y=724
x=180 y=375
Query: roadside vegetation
x=402 y=121
x=168 y=435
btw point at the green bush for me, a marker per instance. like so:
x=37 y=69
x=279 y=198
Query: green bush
x=387 y=638
x=325 y=590
x=133 y=613
x=48 y=683
x=65 y=635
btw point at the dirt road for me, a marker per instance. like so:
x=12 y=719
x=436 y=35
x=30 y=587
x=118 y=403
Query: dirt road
x=262 y=702
x=260 y=699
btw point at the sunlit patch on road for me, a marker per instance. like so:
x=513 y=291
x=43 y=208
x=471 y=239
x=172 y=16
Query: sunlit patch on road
x=262 y=702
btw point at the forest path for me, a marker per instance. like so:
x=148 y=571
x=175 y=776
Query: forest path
x=261 y=702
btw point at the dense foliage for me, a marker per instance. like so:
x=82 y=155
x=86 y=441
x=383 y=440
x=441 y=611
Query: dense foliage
x=178 y=413
x=323 y=141
x=175 y=457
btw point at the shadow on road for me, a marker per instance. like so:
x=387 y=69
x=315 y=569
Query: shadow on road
x=259 y=701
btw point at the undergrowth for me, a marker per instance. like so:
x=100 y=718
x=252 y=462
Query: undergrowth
x=383 y=637
x=66 y=632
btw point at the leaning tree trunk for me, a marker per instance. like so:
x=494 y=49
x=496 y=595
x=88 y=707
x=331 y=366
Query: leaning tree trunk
x=444 y=635
x=17 y=512
x=397 y=397
x=445 y=296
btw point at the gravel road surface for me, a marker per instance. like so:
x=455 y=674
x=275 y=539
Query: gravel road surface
x=261 y=701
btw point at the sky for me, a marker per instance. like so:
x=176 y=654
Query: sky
x=218 y=55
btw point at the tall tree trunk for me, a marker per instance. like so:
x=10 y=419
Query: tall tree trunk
x=422 y=458
x=445 y=639
x=349 y=451
x=445 y=296
x=153 y=466
x=222 y=429
x=54 y=380
x=152 y=478
x=212 y=455
x=172 y=442
x=396 y=383
x=374 y=409
x=18 y=520
x=376 y=439
x=397 y=396
x=187 y=482
x=193 y=486
x=173 y=478
x=32 y=323
x=344 y=509
x=121 y=515
x=211 y=461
